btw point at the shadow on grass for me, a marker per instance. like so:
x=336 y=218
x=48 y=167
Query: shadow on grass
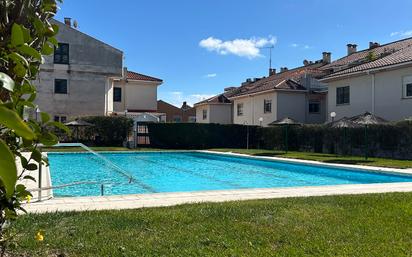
x=339 y=161
x=268 y=154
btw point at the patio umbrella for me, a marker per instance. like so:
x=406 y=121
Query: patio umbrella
x=344 y=123
x=365 y=120
x=77 y=124
x=285 y=122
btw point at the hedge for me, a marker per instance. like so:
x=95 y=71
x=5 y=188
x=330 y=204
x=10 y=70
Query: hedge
x=199 y=136
x=393 y=140
x=107 y=131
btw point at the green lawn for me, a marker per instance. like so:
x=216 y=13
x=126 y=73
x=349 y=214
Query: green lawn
x=328 y=158
x=362 y=225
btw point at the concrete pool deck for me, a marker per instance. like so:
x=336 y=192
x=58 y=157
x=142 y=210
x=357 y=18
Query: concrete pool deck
x=118 y=202
x=170 y=199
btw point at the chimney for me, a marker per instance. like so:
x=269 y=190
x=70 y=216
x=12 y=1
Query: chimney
x=306 y=62
x=326 y=57
x=68 y=21
x=373 y=45
x=283 y=69
x=272 y=72
x=125 y=73
x=184 y=106
x=247 y=82
x=351 y=48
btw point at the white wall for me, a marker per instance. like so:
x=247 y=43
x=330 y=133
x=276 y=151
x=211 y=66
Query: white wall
x=220 y=113
x=137 y=95
x=389 y=101
x=253 y=109
x=292 y=105
x=360 y=97
x=199 y=113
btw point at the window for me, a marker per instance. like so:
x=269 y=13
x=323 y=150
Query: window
x=409 y=90
x=142 y=129
x=267 y=106
x=314 y=107
x=240 y=109
x=61 y=54
x=342 y=95
x=60 y=86
x=204 y=114
x=117 y=94
x=62 y=119
x=407 y=87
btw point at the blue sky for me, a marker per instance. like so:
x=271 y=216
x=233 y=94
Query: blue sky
x=198 y=47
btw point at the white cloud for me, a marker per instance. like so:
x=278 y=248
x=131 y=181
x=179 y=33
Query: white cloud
x=177 y=98
x=211 y=75
x=402 y=33
x=294 y=45
x=249 y=48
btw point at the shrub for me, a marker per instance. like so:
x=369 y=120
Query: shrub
x=26 y=34
x=107 y=130
x=199 y=136
x=392 y=140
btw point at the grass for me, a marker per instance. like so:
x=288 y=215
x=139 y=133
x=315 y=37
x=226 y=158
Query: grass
x=358 y=225
x=327 y=158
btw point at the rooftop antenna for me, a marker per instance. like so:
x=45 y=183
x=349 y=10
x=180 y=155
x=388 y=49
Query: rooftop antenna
x=270 y=53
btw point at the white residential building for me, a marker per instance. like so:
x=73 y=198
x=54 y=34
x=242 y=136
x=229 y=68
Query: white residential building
x=376 y=80
x=294 y=93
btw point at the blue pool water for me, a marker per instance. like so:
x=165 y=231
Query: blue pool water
x=191 y=171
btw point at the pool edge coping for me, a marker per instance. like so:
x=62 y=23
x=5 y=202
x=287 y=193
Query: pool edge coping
x=136 y=201
x=317 y=163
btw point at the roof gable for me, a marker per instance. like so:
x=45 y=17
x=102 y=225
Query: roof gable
x=286 y=80
x=138 y=76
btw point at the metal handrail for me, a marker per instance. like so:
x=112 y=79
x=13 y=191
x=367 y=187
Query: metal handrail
x=110 y=163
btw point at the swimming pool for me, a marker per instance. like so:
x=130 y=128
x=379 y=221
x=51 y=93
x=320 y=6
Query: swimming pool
x=83 y=174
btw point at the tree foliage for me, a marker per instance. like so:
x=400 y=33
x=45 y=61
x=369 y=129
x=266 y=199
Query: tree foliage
x=26 y=34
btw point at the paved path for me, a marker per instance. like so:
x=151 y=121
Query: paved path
x=170 y=199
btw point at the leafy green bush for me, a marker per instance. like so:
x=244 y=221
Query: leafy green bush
x=107 y=130
x=391 y=140
x=25 y=35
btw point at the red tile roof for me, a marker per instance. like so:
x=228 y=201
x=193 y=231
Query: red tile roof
x=221 y=98
x=399 y=57
x=360 y=57
x=137 y=76
x=287 y=80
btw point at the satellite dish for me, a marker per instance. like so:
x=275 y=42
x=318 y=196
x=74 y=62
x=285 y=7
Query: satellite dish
x=75 y=24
